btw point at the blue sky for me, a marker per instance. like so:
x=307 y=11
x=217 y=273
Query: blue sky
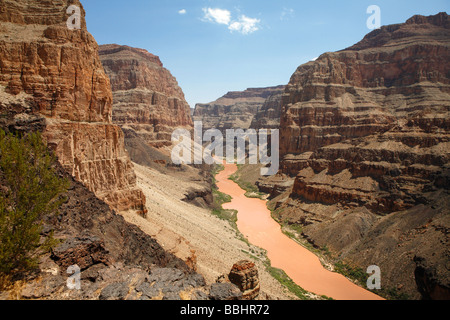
x=213 y=47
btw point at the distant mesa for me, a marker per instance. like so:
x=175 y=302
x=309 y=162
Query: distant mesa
x=257 y=108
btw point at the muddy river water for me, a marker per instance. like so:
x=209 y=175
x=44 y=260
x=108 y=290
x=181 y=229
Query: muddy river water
x=301 y=265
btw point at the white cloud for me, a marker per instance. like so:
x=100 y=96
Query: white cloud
x=245 y=25
x=217 y=15
x=182 y=11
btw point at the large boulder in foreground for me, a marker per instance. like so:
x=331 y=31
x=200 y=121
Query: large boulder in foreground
x=245 y=275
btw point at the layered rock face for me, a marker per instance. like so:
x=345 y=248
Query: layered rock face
x=242 y=110
x=244 y=274
x=147 y=98
x=366 y=133
x=375 y=114
x=396 y=77
x=55 y=73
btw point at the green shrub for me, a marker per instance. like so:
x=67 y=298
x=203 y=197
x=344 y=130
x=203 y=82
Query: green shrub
x=30 y=190
x=352 y=272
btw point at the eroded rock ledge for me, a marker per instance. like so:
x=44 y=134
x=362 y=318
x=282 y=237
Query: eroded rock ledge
x=55 y=73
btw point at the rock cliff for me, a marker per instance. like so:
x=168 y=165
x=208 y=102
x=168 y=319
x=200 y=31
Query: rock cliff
x=51 y=80
x=396 y=77
x=268 y=116
x=254 y=107
x=52 y=72
x=375 y=114
x=365 y=133
x=146 y=97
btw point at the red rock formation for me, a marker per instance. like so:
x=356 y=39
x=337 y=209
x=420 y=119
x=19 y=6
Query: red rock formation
x=268 y=116
x=388 y=98
x=398 y=73
x=56 y=73
x=146 y=96
x=244 y=274
x=366 y=133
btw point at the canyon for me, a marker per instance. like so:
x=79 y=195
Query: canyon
x=365 y=154
x=302 y=266
x=52 y=81
x=365 y=144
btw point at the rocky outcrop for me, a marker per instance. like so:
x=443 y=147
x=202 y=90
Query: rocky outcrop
x=202 y=198
x=147 y=98
x=120 y=283
x=81 y=251
x=245 y=275
x=55 y=73
x=366 y=134
x=91 y=237
x=430 y=281
x=225 y=292
x=254 y=107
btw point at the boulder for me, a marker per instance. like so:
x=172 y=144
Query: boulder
x=244 y=275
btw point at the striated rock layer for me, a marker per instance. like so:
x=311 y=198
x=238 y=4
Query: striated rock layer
x=366 y=133
x=147 y=98
x=55 y=73
x=245 y=275
x=376 y=114
x=257 y=108
x=397 y=76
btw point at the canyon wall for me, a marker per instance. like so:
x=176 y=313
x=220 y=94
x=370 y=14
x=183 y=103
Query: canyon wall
x=397 y=73
x=268 y=116
x=257 y=108
x=146 y=97
x=54 y=74
x=378 y=112
x=365 y=132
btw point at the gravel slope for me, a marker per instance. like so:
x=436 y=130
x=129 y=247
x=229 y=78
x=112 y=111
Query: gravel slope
x=183 y=228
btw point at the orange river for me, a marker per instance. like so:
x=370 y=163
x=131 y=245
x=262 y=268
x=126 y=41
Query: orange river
x=301 y=265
